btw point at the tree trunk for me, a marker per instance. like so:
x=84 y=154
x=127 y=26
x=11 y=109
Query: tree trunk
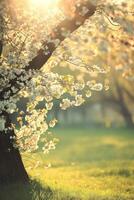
x=11 y=166
x=126 y=114
x=123 y=107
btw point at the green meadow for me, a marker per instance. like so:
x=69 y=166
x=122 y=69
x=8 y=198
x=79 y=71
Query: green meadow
x=88 y=164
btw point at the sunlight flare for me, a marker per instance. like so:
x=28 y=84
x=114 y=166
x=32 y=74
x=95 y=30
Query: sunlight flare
x=44 y=3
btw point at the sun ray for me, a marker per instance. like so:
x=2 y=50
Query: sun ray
x=44 y=3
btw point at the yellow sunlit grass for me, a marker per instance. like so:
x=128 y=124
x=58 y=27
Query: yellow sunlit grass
x=87 y=164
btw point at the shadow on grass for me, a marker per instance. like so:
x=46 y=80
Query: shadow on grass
x=31 y=191
x=35 y=191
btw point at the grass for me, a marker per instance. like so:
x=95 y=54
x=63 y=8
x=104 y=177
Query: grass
x=88 y=164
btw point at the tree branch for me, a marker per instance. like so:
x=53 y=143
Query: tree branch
x=68 y=25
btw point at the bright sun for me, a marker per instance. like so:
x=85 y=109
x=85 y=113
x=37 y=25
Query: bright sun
x=44 y=3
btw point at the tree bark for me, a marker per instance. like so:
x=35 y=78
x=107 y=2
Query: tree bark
x=11 y=166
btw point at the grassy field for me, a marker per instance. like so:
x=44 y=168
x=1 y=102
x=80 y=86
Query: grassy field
x=88 y=164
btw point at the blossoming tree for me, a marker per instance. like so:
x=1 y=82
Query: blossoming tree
x=36 y=36
x=30 y=32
